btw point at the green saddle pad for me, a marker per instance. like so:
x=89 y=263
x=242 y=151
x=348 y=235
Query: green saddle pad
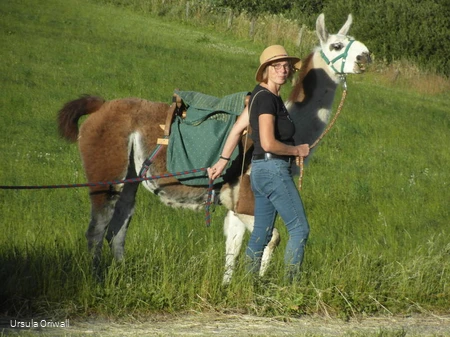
x=197 y=140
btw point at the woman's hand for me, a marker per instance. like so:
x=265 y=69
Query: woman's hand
x=216 y=170
x=302 y=150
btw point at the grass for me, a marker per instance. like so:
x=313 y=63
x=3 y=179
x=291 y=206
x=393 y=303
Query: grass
x=376 y=190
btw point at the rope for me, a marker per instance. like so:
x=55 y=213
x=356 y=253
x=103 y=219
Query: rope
x=247 y=134
x=300 y=160
x=102 y=183
x=146 y=164
x=208 y=203
x=125 y=181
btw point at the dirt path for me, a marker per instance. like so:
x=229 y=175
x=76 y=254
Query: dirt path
x=245 y=325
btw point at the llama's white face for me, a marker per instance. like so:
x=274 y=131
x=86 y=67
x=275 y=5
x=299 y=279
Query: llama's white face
x=344 y=54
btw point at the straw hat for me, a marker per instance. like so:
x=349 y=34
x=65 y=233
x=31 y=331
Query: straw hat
x=272 y=53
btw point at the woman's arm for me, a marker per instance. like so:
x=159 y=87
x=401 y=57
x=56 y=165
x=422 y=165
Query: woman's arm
x=270 y=144
x=232 y=141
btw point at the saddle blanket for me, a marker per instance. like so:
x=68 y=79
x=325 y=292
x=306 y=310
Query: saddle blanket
x=197 y=140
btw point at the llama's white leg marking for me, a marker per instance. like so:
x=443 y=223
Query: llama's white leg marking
x=139 y=156
x=268 y=251
x=234 y=230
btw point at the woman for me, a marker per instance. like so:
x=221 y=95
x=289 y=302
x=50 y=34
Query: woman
x=274 y=150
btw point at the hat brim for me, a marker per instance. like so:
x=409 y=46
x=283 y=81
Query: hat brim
x=295 y=60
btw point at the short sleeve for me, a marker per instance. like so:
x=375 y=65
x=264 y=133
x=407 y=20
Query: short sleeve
x=264 y=104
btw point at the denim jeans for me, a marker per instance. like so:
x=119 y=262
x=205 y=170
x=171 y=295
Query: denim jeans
x=276 y=193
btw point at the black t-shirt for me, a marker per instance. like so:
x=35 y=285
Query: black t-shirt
x=268 y=103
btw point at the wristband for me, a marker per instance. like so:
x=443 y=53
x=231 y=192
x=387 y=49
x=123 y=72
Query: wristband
x=224 y=158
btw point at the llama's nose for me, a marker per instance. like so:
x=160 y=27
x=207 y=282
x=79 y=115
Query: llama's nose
x=364 y=58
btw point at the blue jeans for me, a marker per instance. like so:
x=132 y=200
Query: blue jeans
x=276 y=193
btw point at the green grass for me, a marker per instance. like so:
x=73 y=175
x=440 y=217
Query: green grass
x=376 y=191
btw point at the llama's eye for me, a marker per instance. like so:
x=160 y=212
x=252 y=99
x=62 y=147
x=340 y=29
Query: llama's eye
x=337 y=46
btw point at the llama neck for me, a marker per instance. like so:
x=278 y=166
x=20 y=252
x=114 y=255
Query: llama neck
x=312 y=98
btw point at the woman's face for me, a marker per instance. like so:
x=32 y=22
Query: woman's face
x=278 y=71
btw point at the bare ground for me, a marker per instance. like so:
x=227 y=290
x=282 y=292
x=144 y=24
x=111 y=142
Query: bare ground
x=213 y=324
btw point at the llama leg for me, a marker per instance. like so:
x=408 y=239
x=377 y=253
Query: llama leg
x=268 y=251
x=234 y=230
x=118 y=226
x=97 y=228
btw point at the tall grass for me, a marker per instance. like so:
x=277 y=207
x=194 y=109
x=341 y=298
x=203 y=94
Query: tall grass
x=376 y=190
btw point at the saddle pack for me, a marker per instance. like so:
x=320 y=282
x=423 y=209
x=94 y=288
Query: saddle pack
x=196 y=129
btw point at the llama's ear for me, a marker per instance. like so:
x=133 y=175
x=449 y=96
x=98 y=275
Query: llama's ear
x=321 y=29
x=346 y=27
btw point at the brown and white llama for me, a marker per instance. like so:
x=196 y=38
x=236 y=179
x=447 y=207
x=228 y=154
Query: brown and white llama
x=118 y=136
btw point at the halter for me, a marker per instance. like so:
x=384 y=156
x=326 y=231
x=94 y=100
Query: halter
x=342 y=56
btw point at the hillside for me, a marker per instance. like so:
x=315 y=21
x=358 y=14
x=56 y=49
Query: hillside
x=376 y=191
